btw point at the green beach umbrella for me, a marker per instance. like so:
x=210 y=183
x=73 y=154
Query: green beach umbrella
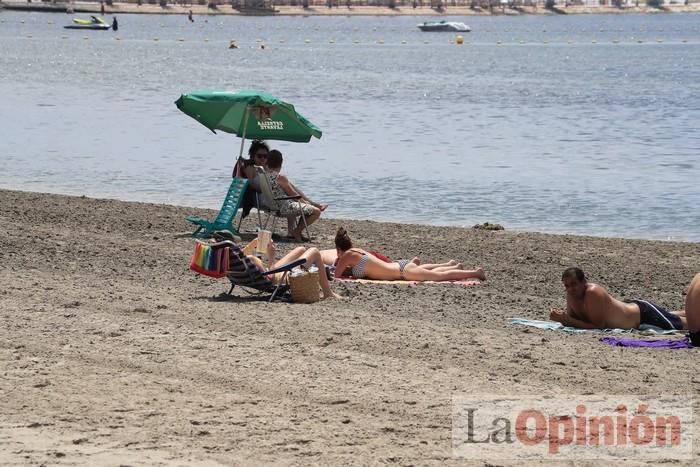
x=248 y=114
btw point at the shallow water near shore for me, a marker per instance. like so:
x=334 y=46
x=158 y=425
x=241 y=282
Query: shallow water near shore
x=580 y=124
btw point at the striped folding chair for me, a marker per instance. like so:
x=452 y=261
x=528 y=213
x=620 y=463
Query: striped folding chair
x=244 y=273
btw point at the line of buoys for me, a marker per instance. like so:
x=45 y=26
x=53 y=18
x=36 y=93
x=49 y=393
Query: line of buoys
x=459 y=40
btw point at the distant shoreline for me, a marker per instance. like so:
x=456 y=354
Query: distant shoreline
x=317 y=10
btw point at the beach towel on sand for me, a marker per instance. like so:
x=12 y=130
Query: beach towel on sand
x=655 y=343
x=556 y=326
x=463 y=283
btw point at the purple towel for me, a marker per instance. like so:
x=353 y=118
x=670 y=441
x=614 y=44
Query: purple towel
x=656 y=343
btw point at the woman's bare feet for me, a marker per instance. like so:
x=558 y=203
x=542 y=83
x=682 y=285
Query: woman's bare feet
x=416 y=261
x=458 y=265
x=480 y=274
x=453 y=263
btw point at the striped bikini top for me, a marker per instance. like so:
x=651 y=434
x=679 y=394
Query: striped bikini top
x=358 y=270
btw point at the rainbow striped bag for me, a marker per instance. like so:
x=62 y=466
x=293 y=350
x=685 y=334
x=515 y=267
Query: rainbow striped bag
x=210 y=259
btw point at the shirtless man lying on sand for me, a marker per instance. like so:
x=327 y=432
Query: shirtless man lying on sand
x=590 y=306
x=692 y=310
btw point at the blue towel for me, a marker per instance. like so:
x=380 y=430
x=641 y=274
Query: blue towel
x=556 y=326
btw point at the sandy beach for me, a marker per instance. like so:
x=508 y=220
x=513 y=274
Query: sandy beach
x=355 y=10
x=113 y=353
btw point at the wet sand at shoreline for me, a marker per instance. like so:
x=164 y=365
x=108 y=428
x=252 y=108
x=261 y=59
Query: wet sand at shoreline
x=319 y=10
x=113 y=352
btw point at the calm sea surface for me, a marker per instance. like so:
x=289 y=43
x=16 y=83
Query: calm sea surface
x=581 y=124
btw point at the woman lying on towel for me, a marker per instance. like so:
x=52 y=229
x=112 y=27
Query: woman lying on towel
x=311 y=255
x=366 y=265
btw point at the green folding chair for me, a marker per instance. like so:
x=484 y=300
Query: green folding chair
x=224 y=220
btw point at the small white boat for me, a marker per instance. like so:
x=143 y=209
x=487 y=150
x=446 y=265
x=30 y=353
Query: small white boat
x=441 y=26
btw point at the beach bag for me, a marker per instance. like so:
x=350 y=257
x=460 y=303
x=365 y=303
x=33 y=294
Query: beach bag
x=210 y=259
x=303 y=286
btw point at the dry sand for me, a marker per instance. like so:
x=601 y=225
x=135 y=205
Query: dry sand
x=113 y=353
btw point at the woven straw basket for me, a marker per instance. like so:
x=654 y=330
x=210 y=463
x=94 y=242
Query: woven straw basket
x=304 y=288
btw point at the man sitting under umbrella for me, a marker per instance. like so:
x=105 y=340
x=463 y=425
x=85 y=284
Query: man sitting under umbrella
x=281 y=186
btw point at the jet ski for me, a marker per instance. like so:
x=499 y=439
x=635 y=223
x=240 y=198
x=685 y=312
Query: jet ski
x=94 y=22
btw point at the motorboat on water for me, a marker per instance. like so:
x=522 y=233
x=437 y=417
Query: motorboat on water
x=441 y=26
x=94 y=22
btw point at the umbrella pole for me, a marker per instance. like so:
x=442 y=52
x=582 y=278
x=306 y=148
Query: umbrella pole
x=245 y=128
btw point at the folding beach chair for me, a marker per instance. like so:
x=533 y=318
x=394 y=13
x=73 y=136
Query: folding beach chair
x=243 y=272
x=229 y=208
x=269 y=204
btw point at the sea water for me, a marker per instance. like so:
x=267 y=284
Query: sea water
x=583 y=124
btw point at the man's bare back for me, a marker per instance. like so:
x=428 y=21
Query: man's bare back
x=590 y=306
x=599 y=308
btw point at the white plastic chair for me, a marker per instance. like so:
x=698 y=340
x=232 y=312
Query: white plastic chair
x=271 y=205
